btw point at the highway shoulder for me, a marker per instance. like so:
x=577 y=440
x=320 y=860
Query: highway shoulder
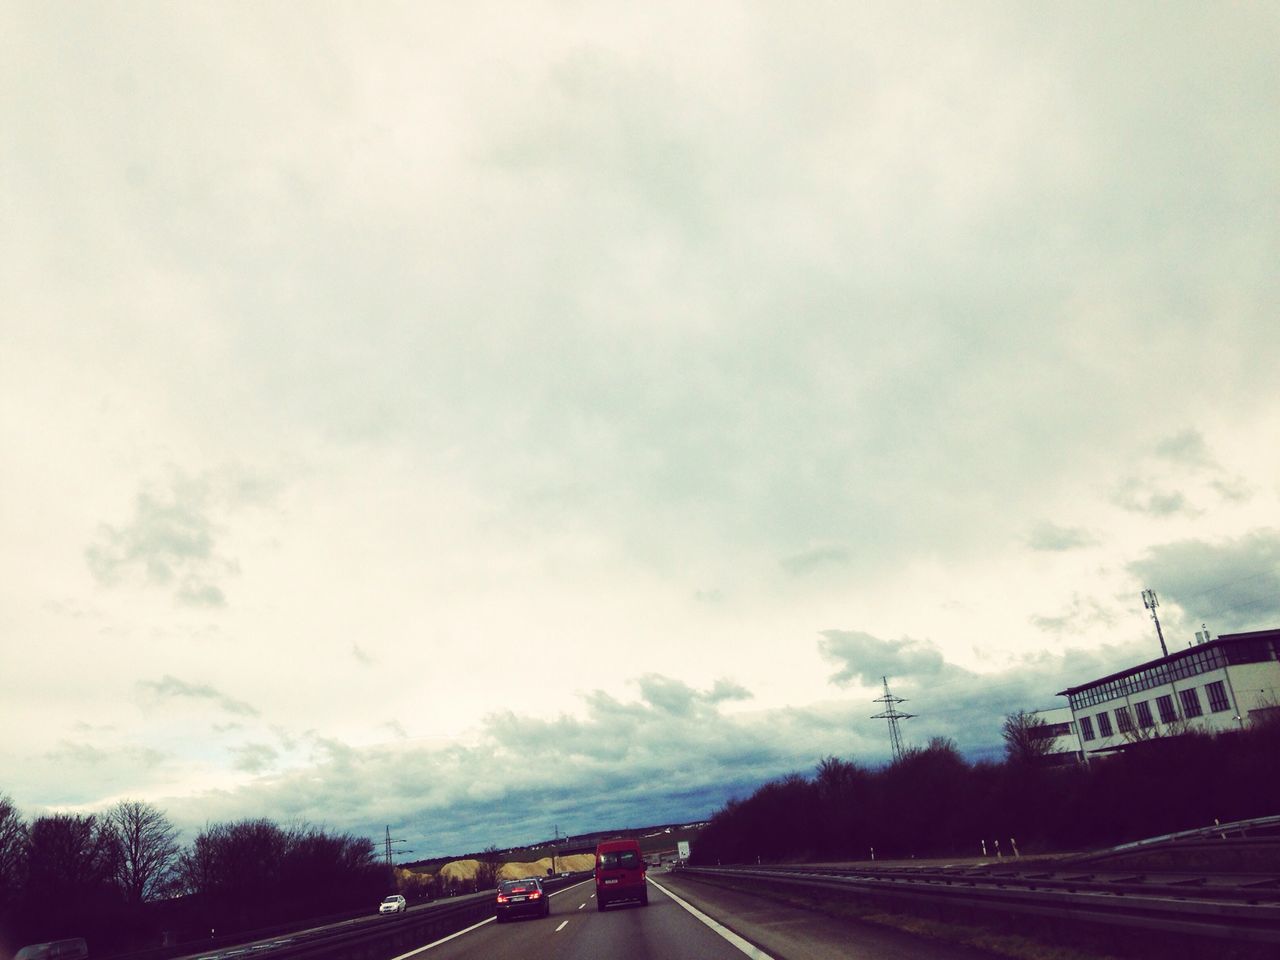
x=784 y=930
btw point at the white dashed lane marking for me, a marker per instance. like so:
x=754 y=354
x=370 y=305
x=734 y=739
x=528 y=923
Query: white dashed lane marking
x=563 y=924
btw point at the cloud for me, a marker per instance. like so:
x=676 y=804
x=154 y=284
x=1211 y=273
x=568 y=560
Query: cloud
x=169 y=542
x=255 y=757
x=1232 y=489
x=360 y=656
x=1081 y=613
x=1233 y=584
x=1051 y=537
x=1187 y=449
x=169 y=687
x=763 y=327
x=866 y=659
x=1142 y=496
x=679 y=699
x=668 y=756
x=815 y=559
x=624 y=762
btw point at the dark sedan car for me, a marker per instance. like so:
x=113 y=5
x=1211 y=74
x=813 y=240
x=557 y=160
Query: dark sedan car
x=522 y=898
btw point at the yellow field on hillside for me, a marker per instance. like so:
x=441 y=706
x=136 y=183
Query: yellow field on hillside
x=465 y=870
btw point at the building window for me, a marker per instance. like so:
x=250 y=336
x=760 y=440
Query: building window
x=1086 y=728
x=1123 y=720
x=1104 y=723
x=1144 y=714
x=1190 y=702
x=1217 y=697
x=1165 y=706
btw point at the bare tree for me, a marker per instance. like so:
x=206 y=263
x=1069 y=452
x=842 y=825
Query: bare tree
x=147 y=849
x=1026 y=737
x=13 y=842
x=487 y=871
x=70 y=870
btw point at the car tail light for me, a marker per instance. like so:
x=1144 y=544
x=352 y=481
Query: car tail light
x=535 y=895
x=501 y=898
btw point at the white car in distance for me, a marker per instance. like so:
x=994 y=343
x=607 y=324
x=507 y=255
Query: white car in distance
x=394 y=903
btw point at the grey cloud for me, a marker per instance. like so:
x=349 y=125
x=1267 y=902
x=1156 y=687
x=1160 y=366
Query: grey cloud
x=1139 y=496
x=679 y=699
x=169 y=542
x=1187 y=448
x=1232 y=584
x=670 y=696
x=637 y=762
x=77 y=752
x=625 y=762
x=78 y=772
x=728 y=690
x=1232 y=489
x=199 y=594
x=1081 y=612
x=330 y=749
x=664 y=212
x=171 y=687
x=811 y=560
x=1051 y=537
x=254 y=757
x=866 y=659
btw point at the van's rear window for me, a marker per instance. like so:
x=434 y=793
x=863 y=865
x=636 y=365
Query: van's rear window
x=625 y=860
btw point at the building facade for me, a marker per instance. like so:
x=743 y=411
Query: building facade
x=1221 y=684
x=1060 y=729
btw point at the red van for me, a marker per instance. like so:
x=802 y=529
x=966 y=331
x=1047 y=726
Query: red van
x=620 y=873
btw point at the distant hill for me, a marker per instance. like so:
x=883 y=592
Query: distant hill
x=657 y=839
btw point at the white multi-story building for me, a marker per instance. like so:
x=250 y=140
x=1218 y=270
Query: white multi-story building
x=1222 y=684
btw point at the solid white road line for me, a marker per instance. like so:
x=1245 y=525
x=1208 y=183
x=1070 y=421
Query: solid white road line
x=452 y=936
x=749 y=949
x=563 y=924
x=475 y=926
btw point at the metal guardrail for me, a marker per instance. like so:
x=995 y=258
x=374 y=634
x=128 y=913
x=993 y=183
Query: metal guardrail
x=1242 y=913
x=1259 y=829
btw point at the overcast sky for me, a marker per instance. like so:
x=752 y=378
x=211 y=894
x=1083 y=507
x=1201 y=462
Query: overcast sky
x=484 y=418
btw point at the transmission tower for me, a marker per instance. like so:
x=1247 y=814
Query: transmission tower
x=1150 y=601
x=893 y=716
x=388 y=842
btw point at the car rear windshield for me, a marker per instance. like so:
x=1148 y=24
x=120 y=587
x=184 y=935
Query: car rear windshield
x=624 y=859
x=394 y=898
x=519 y=886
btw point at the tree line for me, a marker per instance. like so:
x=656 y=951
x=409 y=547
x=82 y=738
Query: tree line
x=932 y=802
x=121 y=879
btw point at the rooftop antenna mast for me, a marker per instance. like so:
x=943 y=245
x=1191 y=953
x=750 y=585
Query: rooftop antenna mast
x=1150 y=601
x=893 y=716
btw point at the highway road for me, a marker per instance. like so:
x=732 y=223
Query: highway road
x=672 y=927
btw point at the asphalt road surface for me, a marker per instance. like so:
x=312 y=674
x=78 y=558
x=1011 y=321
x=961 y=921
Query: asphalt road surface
x=729 y=926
